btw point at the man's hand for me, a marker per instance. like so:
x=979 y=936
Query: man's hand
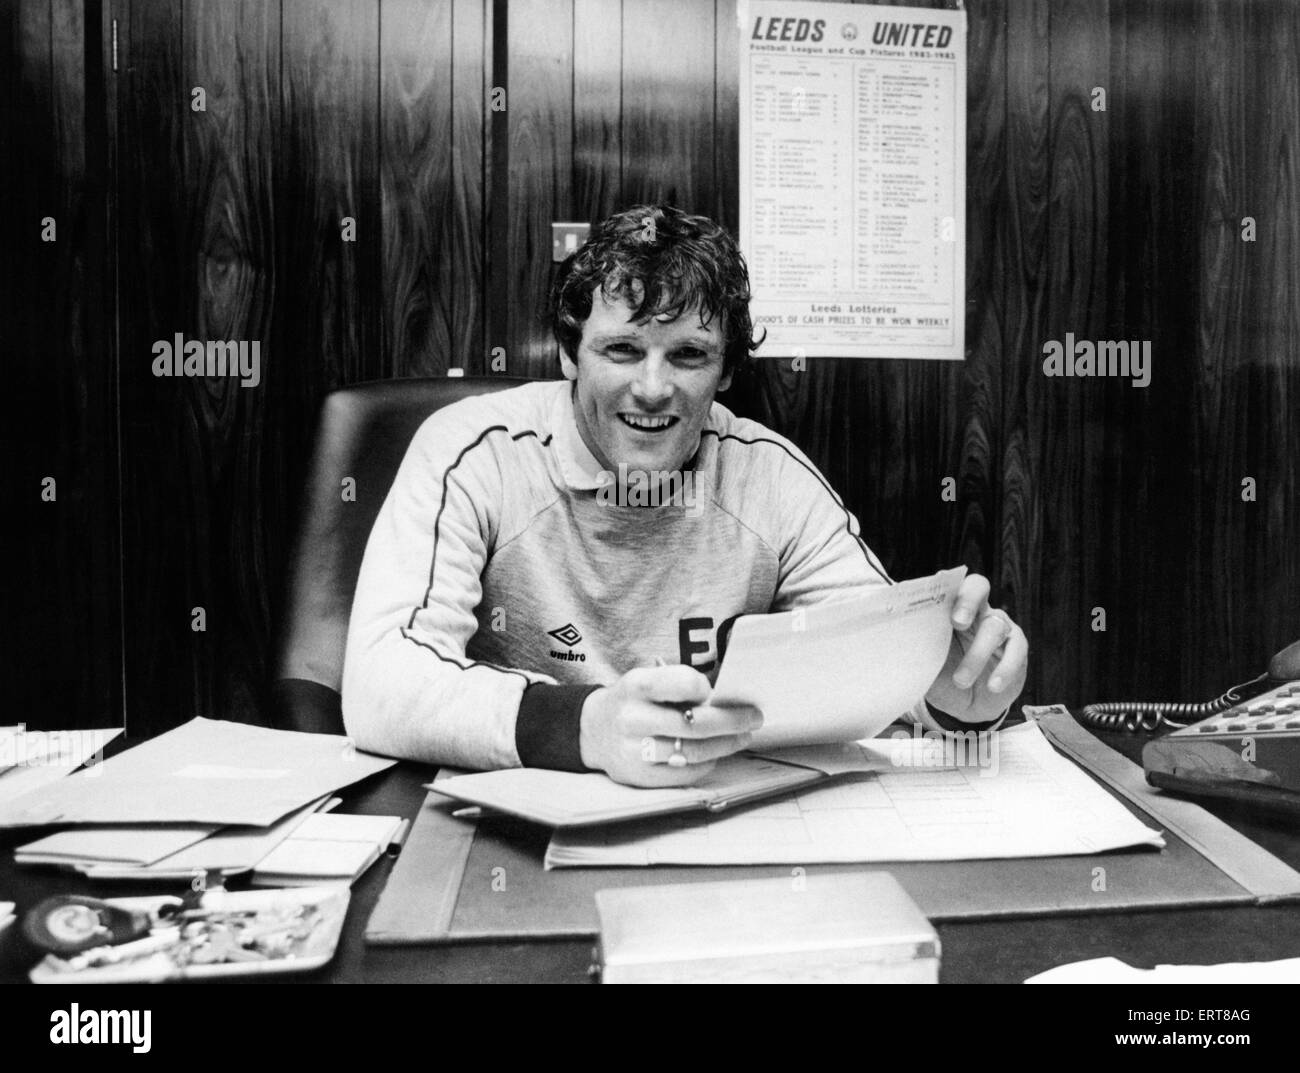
x=631 y=730
x=987 y=660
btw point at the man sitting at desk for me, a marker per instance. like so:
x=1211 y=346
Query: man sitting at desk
x=558 y=565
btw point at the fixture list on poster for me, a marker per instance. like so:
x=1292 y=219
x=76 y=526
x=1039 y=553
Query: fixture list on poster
x=853 y=178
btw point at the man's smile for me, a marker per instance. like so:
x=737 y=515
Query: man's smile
x=647 y=422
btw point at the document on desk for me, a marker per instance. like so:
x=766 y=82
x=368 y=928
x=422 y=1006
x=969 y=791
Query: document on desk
x=565 y=798
x=207 y=771
x=31 y=759
x=112 y=844
x=230 y=850
x=897 y=799
x=840 y=671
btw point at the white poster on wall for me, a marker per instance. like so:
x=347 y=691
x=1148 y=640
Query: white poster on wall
x=853 y=178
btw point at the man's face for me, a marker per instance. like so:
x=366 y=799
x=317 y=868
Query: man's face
x=644 y=390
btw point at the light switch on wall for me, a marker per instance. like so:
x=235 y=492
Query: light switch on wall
x=566 y=238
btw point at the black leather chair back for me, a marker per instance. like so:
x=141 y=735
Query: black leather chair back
x=362 y=434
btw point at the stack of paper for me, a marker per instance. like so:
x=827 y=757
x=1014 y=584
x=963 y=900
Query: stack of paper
x=208 y=796
x=112 y=844
x=208 y=772
x=30 y=760
x=164 y=851
x=327 y=849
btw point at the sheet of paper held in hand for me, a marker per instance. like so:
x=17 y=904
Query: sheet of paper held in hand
x=840 y=671
x=207 y=771
x=1008 y=794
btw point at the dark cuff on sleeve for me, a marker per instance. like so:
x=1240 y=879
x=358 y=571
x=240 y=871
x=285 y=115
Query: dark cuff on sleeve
x=954 y=725
x=547 y=727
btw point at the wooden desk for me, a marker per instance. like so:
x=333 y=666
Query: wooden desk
x=981 y=952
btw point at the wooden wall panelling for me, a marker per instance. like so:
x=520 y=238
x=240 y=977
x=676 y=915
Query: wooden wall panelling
x=202 y=243
x=155 y=276
x=985 y=528
x=668 y=79
x=420 y=275
x=1023 y=225
x=597 y=189
x=1245 y=397
x=1219 y=432
x=327 y=240
x=233 y=50
x=726 y=112
x=61 y=587
x=1075 y=495
x=90 y=389
x=1273 y=322
x=464 y=227
x=1151 y=276
x=539 y=184
x=327 y=169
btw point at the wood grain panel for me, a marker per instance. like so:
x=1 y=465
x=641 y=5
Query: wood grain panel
x=985 y=446
x=328 y=281
x=539 y=184
x=327 y=165
x=465 y=226
x=1273 y=324
x=34 y=456
x=668 y=79
x=1245 y=399
x=726 y=116
x=1024 y=237
x=597 y=110
x=156 y=273
x=193 y=504
x=61 y=589
x=1216 y=429
x=1073 y=491
x=233 y=50
x=420 y=277
x=1151 y=283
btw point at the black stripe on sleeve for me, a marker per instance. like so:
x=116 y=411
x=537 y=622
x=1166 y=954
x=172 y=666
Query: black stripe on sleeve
x=848 y=517
x=465 y=664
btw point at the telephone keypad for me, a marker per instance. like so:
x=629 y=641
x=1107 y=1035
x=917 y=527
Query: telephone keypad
x=1277 y=710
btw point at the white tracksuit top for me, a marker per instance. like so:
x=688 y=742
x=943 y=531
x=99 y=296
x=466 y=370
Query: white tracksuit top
x=499 y=564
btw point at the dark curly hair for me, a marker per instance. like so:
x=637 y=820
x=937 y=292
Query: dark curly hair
x=681 y=261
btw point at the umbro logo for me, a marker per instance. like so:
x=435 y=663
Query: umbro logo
x=568 y=636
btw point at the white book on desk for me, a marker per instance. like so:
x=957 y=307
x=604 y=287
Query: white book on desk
x=571 y=799
x=327 y=847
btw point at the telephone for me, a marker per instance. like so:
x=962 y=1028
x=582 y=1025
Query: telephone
x=1245 y=746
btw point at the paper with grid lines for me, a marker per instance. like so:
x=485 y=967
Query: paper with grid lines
x=900 y=799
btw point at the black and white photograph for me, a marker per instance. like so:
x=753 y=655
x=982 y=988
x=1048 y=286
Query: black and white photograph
x=650 y=491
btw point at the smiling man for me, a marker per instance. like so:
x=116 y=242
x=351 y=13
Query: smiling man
x=555 y=572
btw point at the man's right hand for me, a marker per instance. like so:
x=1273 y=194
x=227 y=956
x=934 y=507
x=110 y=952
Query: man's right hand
x=630 y=730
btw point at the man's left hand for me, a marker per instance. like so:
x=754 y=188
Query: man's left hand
x=987 y=660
